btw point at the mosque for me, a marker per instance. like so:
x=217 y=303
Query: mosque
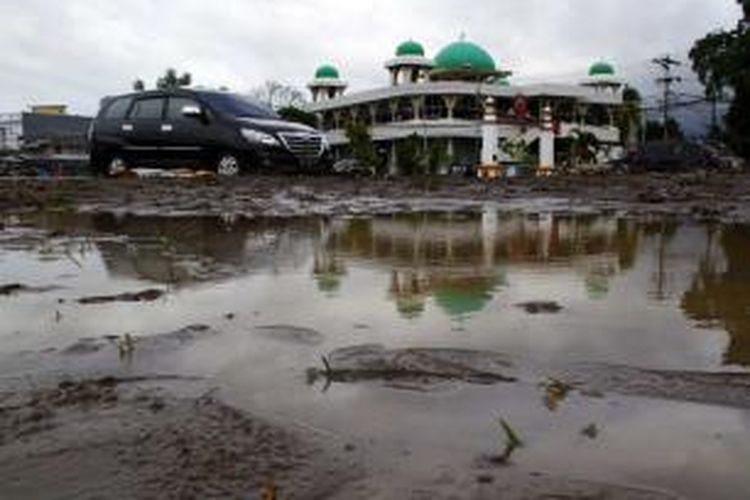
x=466 y=109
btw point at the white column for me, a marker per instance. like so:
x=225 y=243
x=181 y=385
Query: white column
x=490 y=133
x=546 y=143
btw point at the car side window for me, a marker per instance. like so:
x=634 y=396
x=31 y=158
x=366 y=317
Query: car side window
x=174 y=108
x=118 y=109
x=148 y=109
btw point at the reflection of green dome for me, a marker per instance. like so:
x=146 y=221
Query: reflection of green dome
x=410 y=307
x=327 y=71
x=328 y=283
x=464 y=55
x=410 y=48
x=602 y=68
x=463 y=301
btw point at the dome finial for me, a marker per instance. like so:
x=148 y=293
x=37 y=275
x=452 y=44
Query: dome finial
x=462 y=36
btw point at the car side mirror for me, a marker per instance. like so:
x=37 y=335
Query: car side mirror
x=192 y=112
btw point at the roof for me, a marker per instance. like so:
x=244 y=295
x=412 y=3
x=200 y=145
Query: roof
x=601 y=68
x=410 y=48
x=463 y=55
x=327 y=71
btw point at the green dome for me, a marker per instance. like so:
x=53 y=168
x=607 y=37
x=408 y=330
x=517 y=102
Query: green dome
x=602 y=69
x=327 y=71
x=410 y=48
x=464 y=55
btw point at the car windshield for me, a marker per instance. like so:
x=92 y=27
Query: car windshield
x=237 y=105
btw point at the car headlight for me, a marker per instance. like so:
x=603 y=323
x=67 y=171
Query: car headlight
x=258 y=137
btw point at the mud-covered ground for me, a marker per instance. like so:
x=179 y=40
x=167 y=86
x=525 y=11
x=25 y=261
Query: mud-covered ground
x=701 y=194
x=71 y=426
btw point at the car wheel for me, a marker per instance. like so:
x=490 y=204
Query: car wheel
x=228 y=166
x=115 y=167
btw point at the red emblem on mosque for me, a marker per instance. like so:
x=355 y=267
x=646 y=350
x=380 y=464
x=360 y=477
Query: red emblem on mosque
x=520 y=107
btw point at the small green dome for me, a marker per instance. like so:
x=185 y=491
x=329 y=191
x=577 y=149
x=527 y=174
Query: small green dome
x=327 y=71
x=463 y=55
x=410 y=48
x=601 y=68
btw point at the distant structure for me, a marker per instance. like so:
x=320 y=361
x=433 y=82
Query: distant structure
x=46 y=130
x=464 y=107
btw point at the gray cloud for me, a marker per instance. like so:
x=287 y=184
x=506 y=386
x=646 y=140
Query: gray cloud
x=76 y=51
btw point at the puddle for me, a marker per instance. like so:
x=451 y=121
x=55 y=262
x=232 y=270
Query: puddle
x=545 y=292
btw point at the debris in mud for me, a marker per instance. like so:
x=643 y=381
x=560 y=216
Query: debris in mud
x=11 y=289
x=192 y=447
x=293 y=334
x=415 y=369
x=591 y=431
x=144 y=296
x=126 y=344
x=16 y=288
x=512 y=443
x=541 y=307
x=555 y=392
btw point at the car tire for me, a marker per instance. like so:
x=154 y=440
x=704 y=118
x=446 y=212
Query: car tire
x=229 y=165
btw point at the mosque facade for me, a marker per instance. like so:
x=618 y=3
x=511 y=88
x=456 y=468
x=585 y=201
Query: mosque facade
x=463 y=107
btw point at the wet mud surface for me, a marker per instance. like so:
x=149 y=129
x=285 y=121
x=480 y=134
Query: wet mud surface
x=347 y=339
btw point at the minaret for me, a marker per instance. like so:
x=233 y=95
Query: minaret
x=327 y=84
x=410 y=64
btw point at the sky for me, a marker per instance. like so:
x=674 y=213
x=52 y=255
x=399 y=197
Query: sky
x=76 y=51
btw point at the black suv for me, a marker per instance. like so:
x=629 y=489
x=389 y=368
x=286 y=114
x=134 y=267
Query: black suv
x=227 y=132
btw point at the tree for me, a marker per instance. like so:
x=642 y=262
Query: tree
x=584 y=147
x=293 y=114
x=277 y=95
x=171 y=80
x=410 y=155
x=720 y=61
x=361 y=145
x=655 y=130
x=629 y=117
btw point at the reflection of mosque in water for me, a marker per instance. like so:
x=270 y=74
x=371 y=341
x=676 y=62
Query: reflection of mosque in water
x=460 y=260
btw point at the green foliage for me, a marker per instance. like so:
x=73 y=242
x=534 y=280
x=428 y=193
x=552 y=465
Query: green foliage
x=720 y=59
x=410 y=155
x=518 y=150
x=655 y=130
x=171 y=80
x=297 y=115
x=437 y=156
x=629 y=116
x=584 y=147
x=361 y=145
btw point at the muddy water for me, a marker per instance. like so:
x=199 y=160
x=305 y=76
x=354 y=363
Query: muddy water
x=651 y=293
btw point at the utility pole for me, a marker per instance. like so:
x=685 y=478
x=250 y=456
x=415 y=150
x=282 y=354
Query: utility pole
x=666 y=63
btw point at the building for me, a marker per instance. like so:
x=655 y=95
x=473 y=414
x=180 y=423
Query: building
x=465 y=110
x=46 y=130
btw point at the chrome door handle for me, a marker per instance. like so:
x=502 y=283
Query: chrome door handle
x=167 y=128
x=127 y=127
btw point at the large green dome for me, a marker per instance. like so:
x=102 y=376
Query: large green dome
x=463 y=55
x=601 y=68
x=327 y=71
x=410 y=48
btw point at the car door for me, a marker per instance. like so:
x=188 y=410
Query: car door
x=143 y=127
x=186 y=139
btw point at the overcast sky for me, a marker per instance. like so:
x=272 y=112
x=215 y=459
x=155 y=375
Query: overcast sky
x=76 y=51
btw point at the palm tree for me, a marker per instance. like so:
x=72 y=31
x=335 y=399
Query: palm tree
x=629 y=117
